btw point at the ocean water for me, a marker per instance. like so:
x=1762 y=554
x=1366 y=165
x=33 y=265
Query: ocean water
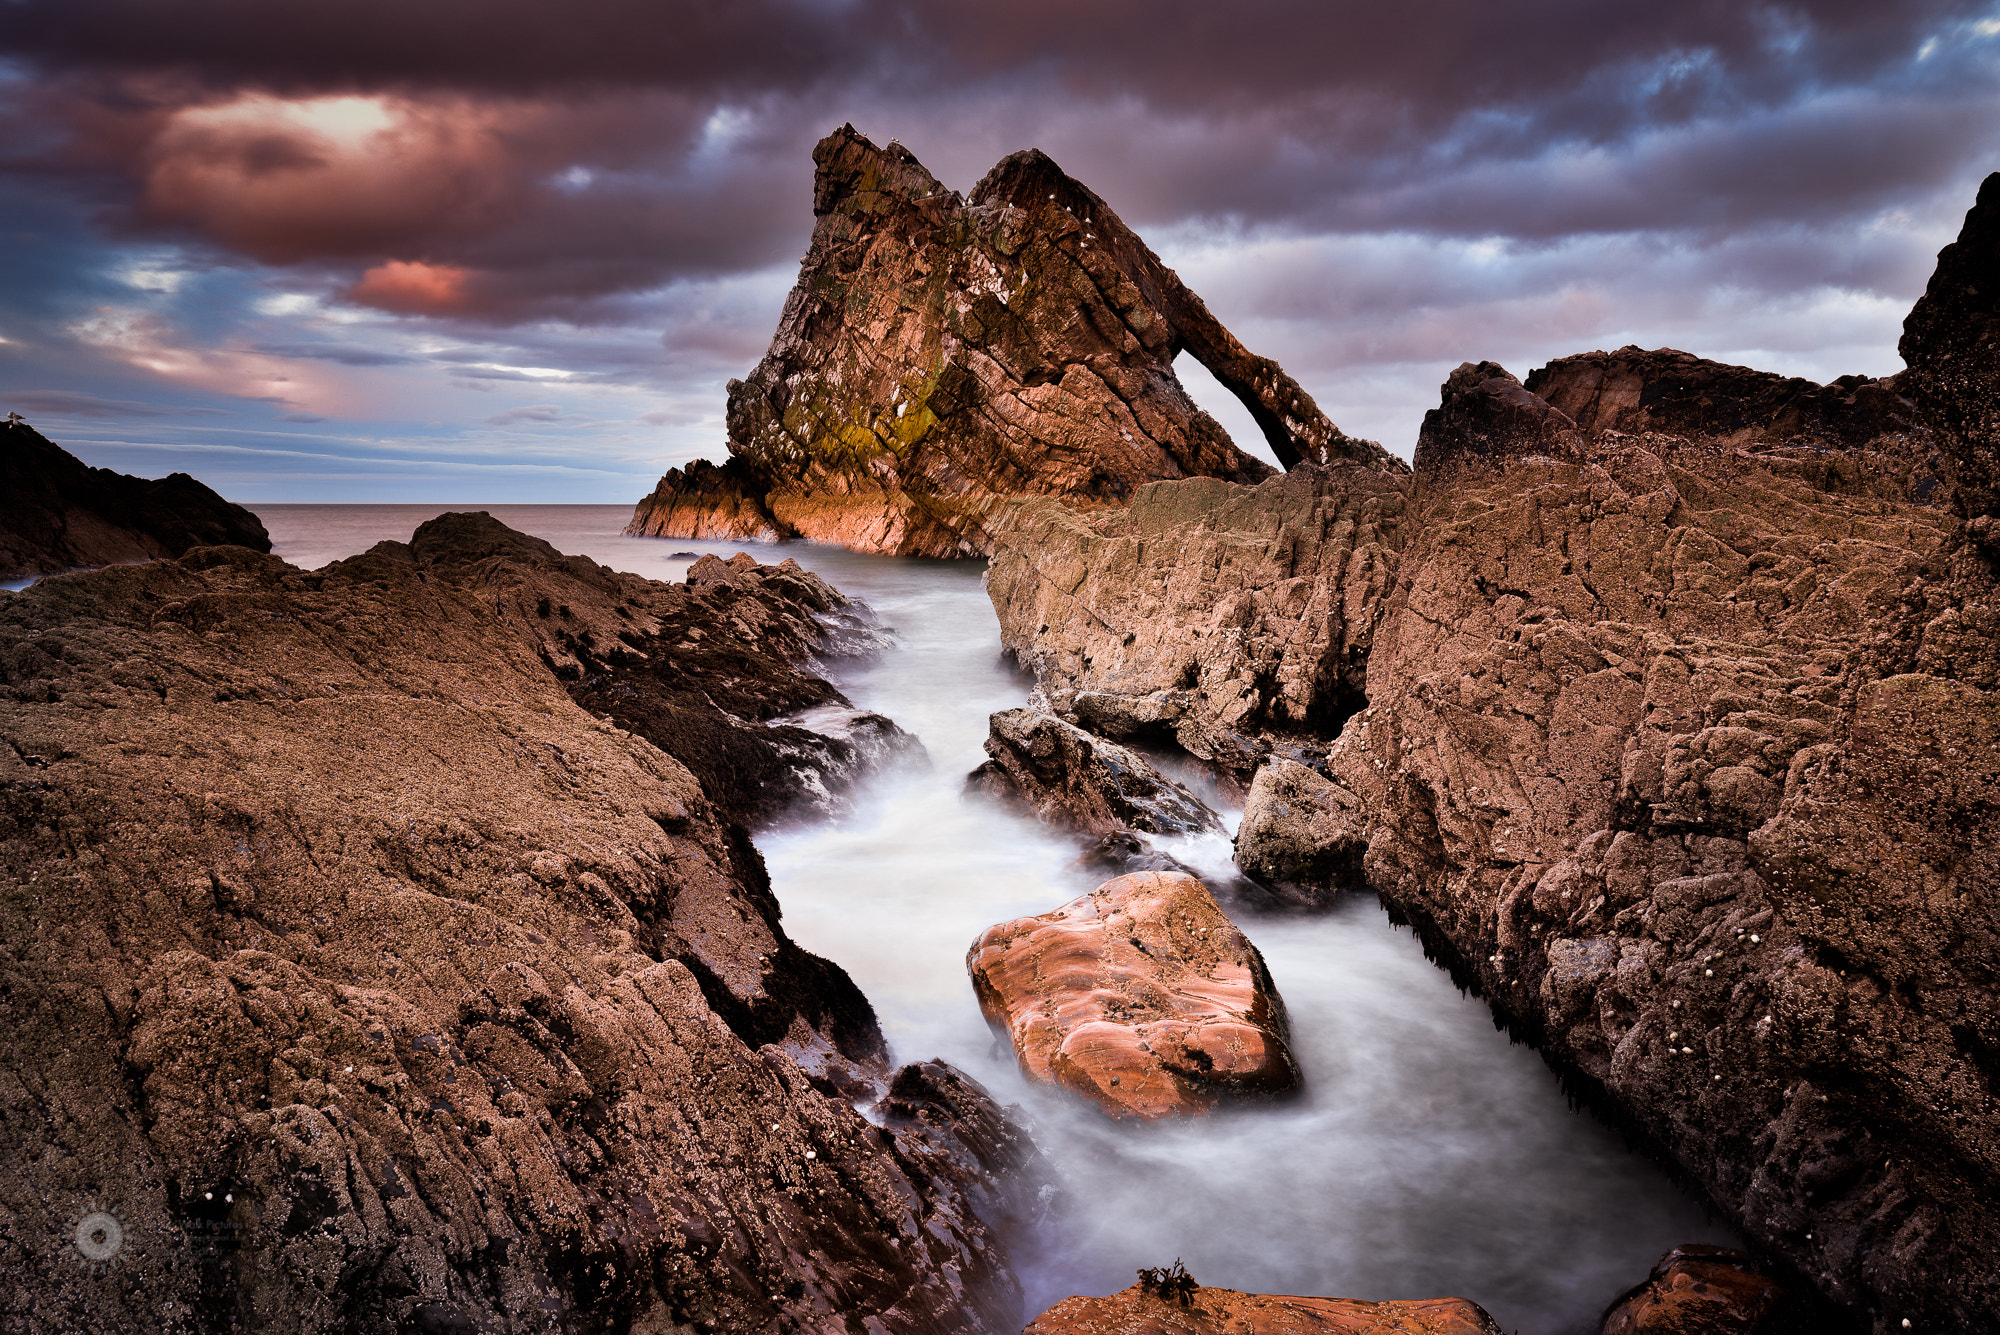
x=1427 y=1156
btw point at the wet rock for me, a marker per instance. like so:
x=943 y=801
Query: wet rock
x=1141 y=996
x=1211 y=1311
x=1078 y=782
x=1302 y=831
x=1681 y=688
x=1702 y=1290
x=61 y=514
x=376 y=985
x=719 y=672
x=1122 y=852
x=940 y=356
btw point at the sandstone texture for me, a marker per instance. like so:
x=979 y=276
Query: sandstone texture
x=376 y=985
x=1704 y=1290
x=61 y=514
x=941 y=356
x=1079 y=782
x=1136 y=1311
x=1141 y=996
x=1664 y=700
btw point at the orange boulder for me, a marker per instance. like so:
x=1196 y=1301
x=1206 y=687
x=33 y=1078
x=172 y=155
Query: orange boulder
x=1141 y=995
x=1138 y=1311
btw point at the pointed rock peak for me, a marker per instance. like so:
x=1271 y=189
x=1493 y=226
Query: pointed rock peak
x=848 y=164
x=1486 y=415
x=1030 y=180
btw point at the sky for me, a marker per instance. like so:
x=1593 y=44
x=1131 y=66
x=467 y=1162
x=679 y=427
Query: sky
x=498 y=251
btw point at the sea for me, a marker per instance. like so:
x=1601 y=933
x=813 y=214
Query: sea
x=1428 y=1154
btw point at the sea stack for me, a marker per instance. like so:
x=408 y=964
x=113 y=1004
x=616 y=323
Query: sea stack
x=941 y=357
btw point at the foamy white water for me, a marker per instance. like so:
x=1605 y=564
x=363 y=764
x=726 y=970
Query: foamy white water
x=1427 y=1155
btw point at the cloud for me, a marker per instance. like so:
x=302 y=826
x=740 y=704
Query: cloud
x=533 y=412
x=71 y=403
x=333 y=352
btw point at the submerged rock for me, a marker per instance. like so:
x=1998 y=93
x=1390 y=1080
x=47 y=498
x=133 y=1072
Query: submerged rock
x=1681 y=735
x=1078 y=782
x=1702 y=1290
x=373 y=984
x=61 y=514
x=1211 y=1311
x=941 y=356
x=1141 y=996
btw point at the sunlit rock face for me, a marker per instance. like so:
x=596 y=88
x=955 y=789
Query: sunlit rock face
x=1141 y=996
x=376 y=985
x=57 y=513
x=1677 y=736
x=1200 y=1310
x=939 y=356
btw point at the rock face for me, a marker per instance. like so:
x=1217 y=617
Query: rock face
x=375 y=985
x=1302 y=831
x=61 y=514
x=1135 y=1311
x=1082 y=783
x=1214 y=616
x=1141 y=996
x=1681 y=730
x=1703 y=1290
x=940 y=356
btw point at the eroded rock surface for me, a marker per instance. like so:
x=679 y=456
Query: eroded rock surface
x=1141 y=996
x=1702 y=1290
x=1681 y=735
x=1079 y=782
x=1302 y=831
x=719 y=671
x=377 y=986
x=1211 y=1311
x=942 y=355
x=61 y=514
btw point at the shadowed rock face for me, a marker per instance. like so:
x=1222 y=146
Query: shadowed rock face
x=60 y=513
x=1142 y=996
x=1211 y=1311
x=1680 y=742
x=940 y=356
x=377 y=986
x=1079 y=782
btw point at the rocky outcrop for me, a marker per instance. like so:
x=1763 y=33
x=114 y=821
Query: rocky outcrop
x=1217 y=617
x=61 y=514
x=1702 y=1290
x=1210 y=1311
x=940 y=356
x=1141 y=996
x=1082 y=783
x=1681 y=728
x=717 y=672
x=369 y=983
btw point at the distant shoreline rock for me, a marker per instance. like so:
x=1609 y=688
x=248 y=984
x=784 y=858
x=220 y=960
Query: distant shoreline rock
x=61 y=514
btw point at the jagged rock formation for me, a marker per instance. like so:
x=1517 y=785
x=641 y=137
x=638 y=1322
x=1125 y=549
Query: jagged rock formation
x=1078 y=782
x=376 y=986
x=1142 y=996
x=61 y=514
x=1213 y=616
x=717 y=672
x=940 y=356
x=1212 y=1311
x=1681 y=733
